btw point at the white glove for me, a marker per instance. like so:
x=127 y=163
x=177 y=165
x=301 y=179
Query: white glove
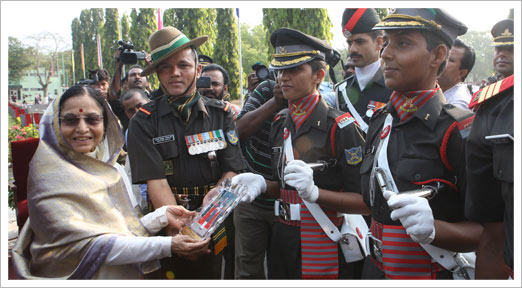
x=415 y=215
x=301 y=177
x=248 y=186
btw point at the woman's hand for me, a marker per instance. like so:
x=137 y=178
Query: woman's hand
x=178 y=216
x=188 y=247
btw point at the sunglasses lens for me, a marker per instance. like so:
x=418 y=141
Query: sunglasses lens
x=93 y=119
x=70 y=120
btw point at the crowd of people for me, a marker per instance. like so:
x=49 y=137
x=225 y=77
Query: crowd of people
x=401 y=143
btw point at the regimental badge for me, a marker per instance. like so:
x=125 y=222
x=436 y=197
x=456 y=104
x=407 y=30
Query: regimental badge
x=232 y=137
x=385 y=131
x=168 y=167
x=286 y=132
x=353 y=155
x=347 y=33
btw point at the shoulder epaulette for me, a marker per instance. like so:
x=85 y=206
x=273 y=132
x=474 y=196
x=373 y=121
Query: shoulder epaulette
x=280 y=115
x=344 y=120
x=147 y=108
x=491 y=90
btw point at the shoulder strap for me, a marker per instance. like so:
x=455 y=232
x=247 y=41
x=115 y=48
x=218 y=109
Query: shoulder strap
x=491 y=90
x=358 y=118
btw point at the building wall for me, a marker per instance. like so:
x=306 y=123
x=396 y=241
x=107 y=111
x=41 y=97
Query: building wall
x=31 y=87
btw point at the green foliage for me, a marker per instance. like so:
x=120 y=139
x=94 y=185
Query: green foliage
x=253 y=48
x=76 y=42
x=88 y=32
x=226 y=53
x=125 y=27
x=481 y=42
x=111 y=35
x=18 y=60
x=382 y=12
x=299 y=19
x=194 y=22
x=143 y=24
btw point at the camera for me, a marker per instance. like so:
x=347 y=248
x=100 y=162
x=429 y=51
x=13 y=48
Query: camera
x=263 y=73
x=93 y=79
x=127 y=55
x=203 y=82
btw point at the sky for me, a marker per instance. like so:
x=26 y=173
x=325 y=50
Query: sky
x=56 y=17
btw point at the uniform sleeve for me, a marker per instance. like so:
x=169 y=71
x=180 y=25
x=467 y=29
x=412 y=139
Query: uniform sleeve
x=349 y=154
x=231 y=158
x=483 y=197
x=146 y=161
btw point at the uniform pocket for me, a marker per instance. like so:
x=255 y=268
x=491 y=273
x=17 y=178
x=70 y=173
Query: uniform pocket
x=419 y=170
x=169 y=149
x=503 y=162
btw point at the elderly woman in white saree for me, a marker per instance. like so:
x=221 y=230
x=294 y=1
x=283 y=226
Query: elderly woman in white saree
x=83 y=222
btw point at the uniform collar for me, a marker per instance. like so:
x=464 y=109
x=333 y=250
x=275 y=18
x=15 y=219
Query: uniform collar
x=317 y=119
x=428 y=113
x=165 y=108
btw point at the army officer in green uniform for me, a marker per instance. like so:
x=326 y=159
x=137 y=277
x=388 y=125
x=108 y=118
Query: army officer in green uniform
x=182 y=144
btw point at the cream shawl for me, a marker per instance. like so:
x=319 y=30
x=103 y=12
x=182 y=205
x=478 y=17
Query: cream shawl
x=77 y=205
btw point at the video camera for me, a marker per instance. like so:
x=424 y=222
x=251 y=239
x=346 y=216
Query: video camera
x=127 y=55
x=93 y=79
x=263 y=73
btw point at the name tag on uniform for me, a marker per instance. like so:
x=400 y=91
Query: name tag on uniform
x=163 y=139
x=500 y=138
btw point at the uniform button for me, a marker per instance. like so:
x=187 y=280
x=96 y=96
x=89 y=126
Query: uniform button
x=396 y=128
x=417 y=176
x=500 y=172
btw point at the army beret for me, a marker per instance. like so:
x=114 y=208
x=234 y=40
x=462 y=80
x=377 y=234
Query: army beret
x=359 y=20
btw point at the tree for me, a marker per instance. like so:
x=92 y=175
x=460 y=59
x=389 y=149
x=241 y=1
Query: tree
x=299 y=19
x=481 y=42
x=143 y=24
x=194 y=22
x=253 y=47
x=44 y=56
x=76 y=42
x=18 y=60
x=111 y=35
x=226 y=53
x=125 y=27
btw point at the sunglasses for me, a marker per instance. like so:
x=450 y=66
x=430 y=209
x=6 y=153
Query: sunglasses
x=73 y=120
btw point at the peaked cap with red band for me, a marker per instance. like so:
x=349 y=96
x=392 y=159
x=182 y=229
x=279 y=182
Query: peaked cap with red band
x=359 y=20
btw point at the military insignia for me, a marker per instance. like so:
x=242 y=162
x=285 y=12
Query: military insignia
x=347 y=33
x=353 y=155
x=144 y=111
x=168 y=167
x=392 y=10
x=491 y=90
x=465 y=126
x=506 y=33
x=163 y=139
x=282 y=50
x=385 y=132
x=344 y=120
x=286 y=132
x=232 y=137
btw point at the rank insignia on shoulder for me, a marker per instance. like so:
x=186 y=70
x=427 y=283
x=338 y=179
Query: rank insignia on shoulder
x=491 y=90
x=232 y=137
x=353 y=155
x=277 y=117
x=144 y=110
x=344 y=120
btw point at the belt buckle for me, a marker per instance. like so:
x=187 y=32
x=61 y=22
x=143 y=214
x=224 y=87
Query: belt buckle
x=375 y=247
x=284 y=210
x=345 y=239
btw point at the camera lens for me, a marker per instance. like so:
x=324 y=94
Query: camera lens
x=262 y=73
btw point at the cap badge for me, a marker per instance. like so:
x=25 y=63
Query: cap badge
x=506 y=33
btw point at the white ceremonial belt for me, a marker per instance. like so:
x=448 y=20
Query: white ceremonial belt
x=355 y=114
x=328 y=227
